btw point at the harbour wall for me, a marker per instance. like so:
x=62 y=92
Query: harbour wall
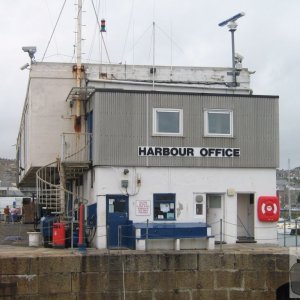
x=184 y=275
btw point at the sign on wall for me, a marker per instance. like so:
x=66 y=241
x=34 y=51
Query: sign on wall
x=188 y=151
x=142 y=208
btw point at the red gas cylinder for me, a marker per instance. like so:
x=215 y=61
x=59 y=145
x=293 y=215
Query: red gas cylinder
x=59 y=233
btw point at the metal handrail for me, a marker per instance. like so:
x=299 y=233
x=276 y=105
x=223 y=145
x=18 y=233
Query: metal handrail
x=42 y=182
x=76 y=147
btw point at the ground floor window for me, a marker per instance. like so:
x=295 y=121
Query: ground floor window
x=164 y=207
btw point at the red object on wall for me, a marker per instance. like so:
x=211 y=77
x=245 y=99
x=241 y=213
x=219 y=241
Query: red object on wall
x=59 y=233
x=268 y=208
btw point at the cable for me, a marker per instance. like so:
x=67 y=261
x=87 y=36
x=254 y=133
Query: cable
x=98 y=22
x=130 y=20
x=62 y=8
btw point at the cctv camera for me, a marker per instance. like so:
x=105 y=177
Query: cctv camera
x=24 y=66
x=29 y=49
x=238 y=57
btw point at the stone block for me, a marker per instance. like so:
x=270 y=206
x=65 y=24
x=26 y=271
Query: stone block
x=25 y=284
x=139 y=295
x=59 y=264
x=255 y=280
x=209 y=261
x=263 y=262
x=132 y=281
x=148 y=280
x=173 y=295
x=240 y=295
x=89 y=282
x=18 y=266
x=228 y=279
x=142 y=262
x=94 y=263
x=178 y=262
x=186 y=279
x=282 y=262
x=263 y=295
x=205 y=280
x=98 y=296
x=166 y=280
x=210 y=295
x=27 y=297
x=8 y=289
x=276 y=279
x=55 y=283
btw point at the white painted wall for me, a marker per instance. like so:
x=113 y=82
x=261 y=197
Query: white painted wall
x=184 y=182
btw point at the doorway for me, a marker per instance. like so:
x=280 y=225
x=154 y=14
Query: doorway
x=116 y=220
x=245 y=218
x=214 y=212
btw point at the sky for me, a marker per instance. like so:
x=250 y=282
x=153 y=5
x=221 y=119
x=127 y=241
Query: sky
x=186 y=33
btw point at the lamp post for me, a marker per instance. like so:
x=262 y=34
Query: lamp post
x=232 y=25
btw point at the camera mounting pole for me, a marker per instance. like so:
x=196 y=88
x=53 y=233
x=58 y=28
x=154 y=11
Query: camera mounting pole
x=232 y=25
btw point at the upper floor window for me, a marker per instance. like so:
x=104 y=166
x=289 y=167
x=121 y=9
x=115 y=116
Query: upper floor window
x=218 y=122
x=167 y=121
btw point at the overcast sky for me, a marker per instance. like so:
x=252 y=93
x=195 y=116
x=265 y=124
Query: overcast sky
x=268 y=37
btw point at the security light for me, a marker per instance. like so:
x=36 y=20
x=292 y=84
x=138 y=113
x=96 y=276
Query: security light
x=24 y=66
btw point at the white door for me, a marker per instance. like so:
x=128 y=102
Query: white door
x=214 y=214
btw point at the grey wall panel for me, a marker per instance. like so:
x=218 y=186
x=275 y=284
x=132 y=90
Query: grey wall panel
x=123 y=121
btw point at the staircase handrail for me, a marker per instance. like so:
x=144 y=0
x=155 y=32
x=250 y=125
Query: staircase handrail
x=57 y=186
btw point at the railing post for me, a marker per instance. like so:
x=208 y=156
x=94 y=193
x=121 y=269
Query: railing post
x=119 y=235
x=221 y=234
x=296 y=232
x=107 y=236
x=147 y=235
x=284 y=244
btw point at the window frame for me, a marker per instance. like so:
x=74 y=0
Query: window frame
x=218 y=111
x=172 y=200
x=154 y=120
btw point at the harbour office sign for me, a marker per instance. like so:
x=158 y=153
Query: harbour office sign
x=188 y=151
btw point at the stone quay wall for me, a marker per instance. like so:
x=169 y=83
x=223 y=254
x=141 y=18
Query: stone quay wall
x=184 y=275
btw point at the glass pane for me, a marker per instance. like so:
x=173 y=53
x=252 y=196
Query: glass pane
x=164 y=207
x=167 y=121
x=214 y=201
x=219 y=123
x=199 y=209
x=120 y=206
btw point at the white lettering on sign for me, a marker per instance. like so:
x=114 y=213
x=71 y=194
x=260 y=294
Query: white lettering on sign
x=142 y=208
x=188 y=151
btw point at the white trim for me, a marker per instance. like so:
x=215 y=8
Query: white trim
x=154 y=121
x=218 y=111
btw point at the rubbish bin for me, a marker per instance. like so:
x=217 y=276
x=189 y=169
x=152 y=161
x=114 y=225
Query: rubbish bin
x=59 y=234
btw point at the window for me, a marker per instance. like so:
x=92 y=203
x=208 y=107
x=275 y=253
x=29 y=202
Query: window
x=164 y=207
x=214 y=201
x=167 y=121
x=218 y=122
x=199 y=202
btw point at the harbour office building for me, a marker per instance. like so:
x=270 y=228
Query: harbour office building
x=177 y=158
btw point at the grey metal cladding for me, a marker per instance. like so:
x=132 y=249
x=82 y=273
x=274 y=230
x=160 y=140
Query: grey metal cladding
x=123 y=121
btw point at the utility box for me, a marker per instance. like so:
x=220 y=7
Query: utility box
x=59 y=234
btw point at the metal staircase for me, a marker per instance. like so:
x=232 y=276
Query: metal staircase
x=51 y=179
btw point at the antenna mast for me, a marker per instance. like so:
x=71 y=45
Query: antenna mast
x=77 y=123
